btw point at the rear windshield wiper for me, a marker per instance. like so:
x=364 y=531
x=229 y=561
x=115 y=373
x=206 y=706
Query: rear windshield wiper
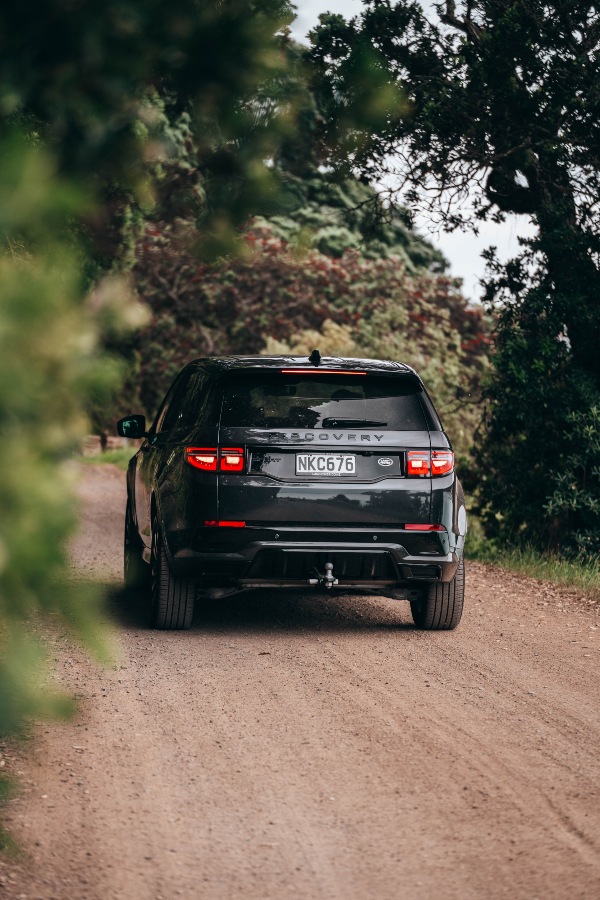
x=332 y=422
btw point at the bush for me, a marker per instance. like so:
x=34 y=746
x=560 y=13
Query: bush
x=280 y=297
x=48 y=362
x=574 y=503
x=538 y=454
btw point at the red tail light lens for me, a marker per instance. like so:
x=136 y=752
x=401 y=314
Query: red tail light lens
x=319 y=372
x=224 y=523
x=209 y=459
x=418 y=463
x=424 y=528
x=421 y=463
x=232 y=459
x=442 y=462
x=204 y=458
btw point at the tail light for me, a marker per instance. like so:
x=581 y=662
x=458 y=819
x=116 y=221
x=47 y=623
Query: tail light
x=442 y=462
x=424 y=528
x=224 y=523
x=421 y=463
x=320 y=372
x=209 y=459
x=204 y=458
x=232 y=459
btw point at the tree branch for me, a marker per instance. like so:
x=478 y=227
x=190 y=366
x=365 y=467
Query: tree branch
x=465 y=25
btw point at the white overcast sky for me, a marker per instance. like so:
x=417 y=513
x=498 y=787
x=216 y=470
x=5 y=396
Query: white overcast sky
x=462 y=249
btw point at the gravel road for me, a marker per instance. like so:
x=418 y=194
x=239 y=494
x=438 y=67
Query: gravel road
x=301 y=746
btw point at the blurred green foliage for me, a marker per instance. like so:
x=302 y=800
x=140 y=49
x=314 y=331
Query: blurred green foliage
x=119 y=457
x=90 y=81
x=336 y=214
x=48 y=362
x=91 y=96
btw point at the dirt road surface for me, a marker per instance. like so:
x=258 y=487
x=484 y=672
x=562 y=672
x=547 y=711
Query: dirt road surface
x=316 y=747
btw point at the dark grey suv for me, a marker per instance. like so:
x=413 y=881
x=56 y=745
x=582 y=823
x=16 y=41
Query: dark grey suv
x=324 y=473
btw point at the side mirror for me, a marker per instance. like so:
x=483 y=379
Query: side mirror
x=132 y=427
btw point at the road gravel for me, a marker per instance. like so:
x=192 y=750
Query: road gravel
x=310 y=746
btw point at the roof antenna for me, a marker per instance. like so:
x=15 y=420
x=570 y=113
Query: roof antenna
x=315 y=358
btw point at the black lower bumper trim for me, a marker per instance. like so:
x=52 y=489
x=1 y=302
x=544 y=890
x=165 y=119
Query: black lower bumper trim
x=352 y=564
x=304 y=564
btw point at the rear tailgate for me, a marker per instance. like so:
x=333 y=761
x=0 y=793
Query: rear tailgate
x=278 y=489
x=344 y=465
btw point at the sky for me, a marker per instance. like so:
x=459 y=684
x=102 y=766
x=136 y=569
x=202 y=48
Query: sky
x=462 y=249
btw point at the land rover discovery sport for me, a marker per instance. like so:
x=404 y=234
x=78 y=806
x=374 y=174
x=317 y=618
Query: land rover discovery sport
x=276 y=472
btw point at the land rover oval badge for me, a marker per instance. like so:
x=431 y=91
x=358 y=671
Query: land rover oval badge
x=385 y=461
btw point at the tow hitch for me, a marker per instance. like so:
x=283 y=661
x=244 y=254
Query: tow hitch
x=327 y=580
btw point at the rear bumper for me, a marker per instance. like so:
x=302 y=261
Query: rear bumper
x=290 y=556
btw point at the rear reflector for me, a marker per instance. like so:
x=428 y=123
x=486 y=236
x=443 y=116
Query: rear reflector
x=424 y=528
x=319 y=372
x=224 y=523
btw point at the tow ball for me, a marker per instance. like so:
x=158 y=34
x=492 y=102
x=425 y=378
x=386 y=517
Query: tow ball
x=327 y=580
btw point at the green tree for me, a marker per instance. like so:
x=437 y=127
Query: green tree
x=90 y=81
x=281 y=298
x=504 y=113
x=80 y=86
x=538 y=472
x=48 y=362
x=334 y=214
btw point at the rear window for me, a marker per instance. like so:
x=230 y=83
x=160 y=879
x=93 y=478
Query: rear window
x=275 y=400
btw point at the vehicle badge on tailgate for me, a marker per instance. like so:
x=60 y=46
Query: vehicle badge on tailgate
x=385 y=461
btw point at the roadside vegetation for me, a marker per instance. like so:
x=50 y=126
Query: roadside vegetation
x=503 y=120
x=279 y=298
x=118 y=457
x=81 y=94
x=583 y=577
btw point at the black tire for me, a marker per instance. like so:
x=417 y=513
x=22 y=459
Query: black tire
x=440 y=608
x=136 y=572
x=172 y=598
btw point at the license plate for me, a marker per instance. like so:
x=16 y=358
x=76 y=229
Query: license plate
x=325 y=464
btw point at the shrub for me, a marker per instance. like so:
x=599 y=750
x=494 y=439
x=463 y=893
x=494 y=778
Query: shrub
x=538 y=454
x=295 y=299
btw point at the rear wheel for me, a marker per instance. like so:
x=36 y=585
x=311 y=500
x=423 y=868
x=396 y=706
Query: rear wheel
x=172 y=597
x=136 y=572
x=440 y=608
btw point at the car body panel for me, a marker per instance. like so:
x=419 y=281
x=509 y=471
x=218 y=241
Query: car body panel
x=293 y=522
x=273 y=492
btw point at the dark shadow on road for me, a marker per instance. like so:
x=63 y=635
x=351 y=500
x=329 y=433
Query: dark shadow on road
x=128 y=608
x=273 y=610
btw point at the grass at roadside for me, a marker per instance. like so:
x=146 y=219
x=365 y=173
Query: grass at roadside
x=584 y=577
x=119 y=457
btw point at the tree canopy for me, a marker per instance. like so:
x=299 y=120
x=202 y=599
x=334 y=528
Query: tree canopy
x=282 y=297
x=90 y=80
x=504 y=98
x=85 y=90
